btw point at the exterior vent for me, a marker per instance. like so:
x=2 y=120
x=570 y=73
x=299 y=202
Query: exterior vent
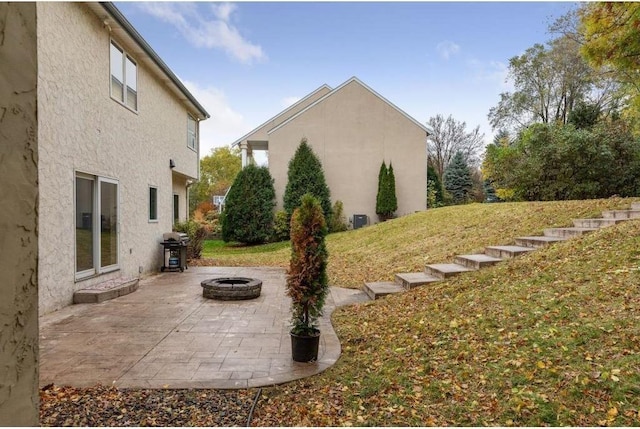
x=360 y=220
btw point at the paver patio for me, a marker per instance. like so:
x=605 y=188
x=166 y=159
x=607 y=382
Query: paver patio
x=167 y=335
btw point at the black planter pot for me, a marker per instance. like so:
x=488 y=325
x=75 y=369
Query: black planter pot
x=304 y=348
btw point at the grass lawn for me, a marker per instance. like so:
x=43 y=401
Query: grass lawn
x=549 y=338
x=376 y=253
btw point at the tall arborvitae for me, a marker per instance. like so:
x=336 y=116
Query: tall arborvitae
x=307 y=281
x=386 y=201
x=434 y=180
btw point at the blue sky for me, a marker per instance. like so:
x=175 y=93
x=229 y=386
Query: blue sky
x=247 y=61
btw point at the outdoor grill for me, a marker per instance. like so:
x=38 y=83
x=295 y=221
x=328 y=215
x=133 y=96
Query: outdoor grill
x=174 y=251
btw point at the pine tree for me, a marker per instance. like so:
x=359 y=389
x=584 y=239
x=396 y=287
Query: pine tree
x=305 y=175
x=457 y=179
x=248 y=213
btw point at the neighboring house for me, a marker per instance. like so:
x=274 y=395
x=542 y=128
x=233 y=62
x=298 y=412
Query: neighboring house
x=352 y=129
x=118 y=148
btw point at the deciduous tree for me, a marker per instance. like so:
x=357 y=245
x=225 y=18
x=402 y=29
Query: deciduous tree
x=449 y=137
x=217 y=172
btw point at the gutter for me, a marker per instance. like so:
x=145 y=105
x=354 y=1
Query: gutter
x=133 y=33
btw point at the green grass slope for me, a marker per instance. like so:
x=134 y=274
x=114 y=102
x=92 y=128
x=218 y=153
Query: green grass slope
x=549 y=338
x=406 y=244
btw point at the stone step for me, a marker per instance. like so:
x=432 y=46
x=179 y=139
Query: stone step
x=621 y=214
x=411 y=280
x=506 y=252
x=635 y=206
x=377 y=290
x=567 y=232
x=105 y=291
x=444 y=271
x=476 y=261
x=537 y=241
x=596 y=223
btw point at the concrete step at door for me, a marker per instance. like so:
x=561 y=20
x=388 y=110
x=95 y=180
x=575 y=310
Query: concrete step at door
x=567 y=232
x=596 y=223
x=506 y=252
x=537 y=242
x=476 y=261
x=376 y=290
x=621 y=214
x=411 y=280
x=444 y=271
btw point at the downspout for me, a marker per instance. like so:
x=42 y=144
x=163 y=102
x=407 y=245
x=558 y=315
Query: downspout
x=189 y=183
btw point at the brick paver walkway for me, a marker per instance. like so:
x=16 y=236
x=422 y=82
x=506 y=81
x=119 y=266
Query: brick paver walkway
x=167 y=335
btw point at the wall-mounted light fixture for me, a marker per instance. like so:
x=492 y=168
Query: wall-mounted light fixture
x=172 y=164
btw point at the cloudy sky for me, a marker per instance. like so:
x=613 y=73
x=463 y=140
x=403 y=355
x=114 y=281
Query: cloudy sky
x=247 y=61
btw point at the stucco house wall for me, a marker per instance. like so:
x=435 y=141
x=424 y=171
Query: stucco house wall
x=261 y=133
x=19 y=216
x=352 y=130
x=83 y=130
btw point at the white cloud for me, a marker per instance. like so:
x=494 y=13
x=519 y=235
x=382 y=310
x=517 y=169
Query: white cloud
x=214 y=32
x=223 y=11
x=289 y=101
x=225 y=124
x=495 y=72
x=447 y=49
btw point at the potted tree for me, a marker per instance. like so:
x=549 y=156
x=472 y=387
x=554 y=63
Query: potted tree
x=307 y=283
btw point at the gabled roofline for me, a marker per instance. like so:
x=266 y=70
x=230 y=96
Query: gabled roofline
x=352 y=79
x=133 y=33
x=325 y=86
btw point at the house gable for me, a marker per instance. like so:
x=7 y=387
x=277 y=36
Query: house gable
x=337 y=90
x=352 y=130
x=260 y=133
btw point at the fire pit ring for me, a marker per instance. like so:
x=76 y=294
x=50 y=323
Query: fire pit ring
x=231 y=288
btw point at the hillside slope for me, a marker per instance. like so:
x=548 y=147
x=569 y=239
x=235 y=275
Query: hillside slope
x=549 y=338
x=406 y=244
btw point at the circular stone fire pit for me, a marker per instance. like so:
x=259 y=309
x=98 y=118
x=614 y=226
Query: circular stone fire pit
x=231 y=288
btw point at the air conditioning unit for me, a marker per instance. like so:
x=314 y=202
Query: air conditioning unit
x=360 y=220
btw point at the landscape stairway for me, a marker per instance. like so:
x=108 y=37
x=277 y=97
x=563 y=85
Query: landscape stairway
x=494 y=254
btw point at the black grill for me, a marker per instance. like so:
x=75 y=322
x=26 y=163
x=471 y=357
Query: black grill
x=174 y=251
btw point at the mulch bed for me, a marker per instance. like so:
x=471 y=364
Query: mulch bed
x=110 y=406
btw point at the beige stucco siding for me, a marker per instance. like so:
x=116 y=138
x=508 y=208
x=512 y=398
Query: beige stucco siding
x=83 y=130
x=353 y=131
x=18 y=217
x=261 y=133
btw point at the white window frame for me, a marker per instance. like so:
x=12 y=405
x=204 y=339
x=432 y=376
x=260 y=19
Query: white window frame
x=96 y=222
x=149 y=206
x=125 y=55
x=193 y=138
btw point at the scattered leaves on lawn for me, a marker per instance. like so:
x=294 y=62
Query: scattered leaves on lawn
x=551 y=338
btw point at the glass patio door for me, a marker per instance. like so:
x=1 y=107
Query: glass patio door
x=108 y=224
x=96 y=219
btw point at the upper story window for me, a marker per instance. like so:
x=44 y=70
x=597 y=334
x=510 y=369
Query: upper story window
x=124 y=77
x=192 y=133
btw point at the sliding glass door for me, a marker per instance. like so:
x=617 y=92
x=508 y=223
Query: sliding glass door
x=96 y=219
